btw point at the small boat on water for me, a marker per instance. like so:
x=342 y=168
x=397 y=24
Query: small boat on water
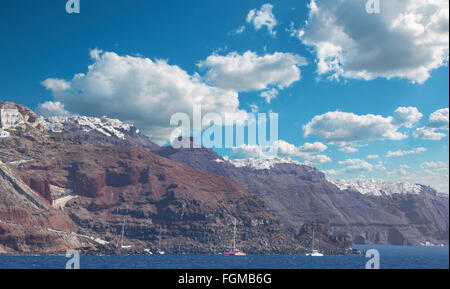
x=235 y=251
x=122 y=235
x=160 y=251
x=314 y=252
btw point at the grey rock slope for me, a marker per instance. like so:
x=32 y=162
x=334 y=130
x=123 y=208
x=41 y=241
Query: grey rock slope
x=299 y=194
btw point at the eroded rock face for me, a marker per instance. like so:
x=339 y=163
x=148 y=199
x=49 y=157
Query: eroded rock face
x=192 y=210
x=299 y=194
x=26 y=220
x=39 y=184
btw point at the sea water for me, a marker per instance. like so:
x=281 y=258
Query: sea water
x=391 y=257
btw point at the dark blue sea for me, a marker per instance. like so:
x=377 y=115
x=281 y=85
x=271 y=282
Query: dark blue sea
x=391 y=257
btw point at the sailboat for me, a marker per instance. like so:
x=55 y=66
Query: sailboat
x=121 y=238
x=314 y=253
x=160 y=251
x=235 y=251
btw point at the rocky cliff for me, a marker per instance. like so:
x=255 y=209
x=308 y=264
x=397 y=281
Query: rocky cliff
x=29 y=224
x=63 y=193
x=299 y=194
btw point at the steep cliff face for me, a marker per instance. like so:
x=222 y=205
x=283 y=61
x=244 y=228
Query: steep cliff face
x=28 y=223
x=193 y=206
x=299 y=194
x=97 y=188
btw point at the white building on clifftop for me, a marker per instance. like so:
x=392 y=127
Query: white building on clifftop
x=10 y=118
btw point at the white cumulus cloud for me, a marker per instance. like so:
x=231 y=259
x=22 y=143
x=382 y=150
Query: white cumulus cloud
x=263 y=17
x=437 y=126
x=348 y=149
x=438 y=164
x=407 y=39
x=268 y=95
x=56 y=85
x=401 y=153
x=51 y=108
x=428 y=133
x=373 y=157
x=247 y=152
x=317 y=159
x=308 y=152
x=355 y=166
x=399 y=172
x=239 y=30
x=141 y=91
x=345 y=127
x=439 y=119
x=316 y=147
x=251 y=72
x=407 y=116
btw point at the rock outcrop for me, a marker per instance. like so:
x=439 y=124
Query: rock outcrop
x=27 y=123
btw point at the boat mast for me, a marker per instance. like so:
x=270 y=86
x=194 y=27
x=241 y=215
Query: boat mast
x=123 y=232
x=234 y=235
x=159 y=246
x=313 y=241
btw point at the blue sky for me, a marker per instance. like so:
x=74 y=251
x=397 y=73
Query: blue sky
x=376 y=72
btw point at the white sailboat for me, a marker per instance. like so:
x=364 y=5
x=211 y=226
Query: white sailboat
x=314 y=253
x=160 y=251
x=235 y=251
x=121 y=238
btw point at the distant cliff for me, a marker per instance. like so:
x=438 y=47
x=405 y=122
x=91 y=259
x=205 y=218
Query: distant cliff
x=370 y=212
x=299 y=194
